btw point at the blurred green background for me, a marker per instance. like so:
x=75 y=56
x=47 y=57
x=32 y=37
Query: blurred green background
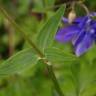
x=76 y=78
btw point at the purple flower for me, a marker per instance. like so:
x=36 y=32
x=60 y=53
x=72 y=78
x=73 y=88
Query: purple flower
x=82 y=33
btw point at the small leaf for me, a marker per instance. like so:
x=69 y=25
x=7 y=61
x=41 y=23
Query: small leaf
x=49 y=3
x=18 y=63
x=58 y=56
x=47 y=33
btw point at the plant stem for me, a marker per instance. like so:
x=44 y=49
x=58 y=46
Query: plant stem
x=7 y=16
x=53 y=77
x=85 y=8
x=10 y=32
x=41 y=55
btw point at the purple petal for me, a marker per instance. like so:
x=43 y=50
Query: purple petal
x=83 y=46
x=78 y=38
x=78 y=20
x=65 y=20
x=93 y=24
x=84 y=21
x=93 y=14
x=66 y=34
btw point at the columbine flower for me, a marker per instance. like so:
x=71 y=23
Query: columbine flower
x=82 y=33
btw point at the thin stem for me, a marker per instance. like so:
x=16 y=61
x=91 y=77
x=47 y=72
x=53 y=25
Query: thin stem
x=10 y=32
x=85 y=8
x=21 y=31
x=73 y=6
x=57 y=87
x=41 y=55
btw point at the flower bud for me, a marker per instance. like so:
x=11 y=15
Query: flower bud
x=71 y=16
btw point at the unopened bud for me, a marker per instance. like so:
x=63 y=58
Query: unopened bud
x=71 y=16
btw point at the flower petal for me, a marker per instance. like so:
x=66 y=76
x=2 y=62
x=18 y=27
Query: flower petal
x=93 y=14
x=78 y=20
x=93 y=24
x=83 y=46
x=85 y=21
x=78 y=38
x=65 y=20
x=66 y=34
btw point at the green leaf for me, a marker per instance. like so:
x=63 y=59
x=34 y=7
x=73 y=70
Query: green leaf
x=49 y=3
x=18 y=63
x=46 y=35
x=38 y=6
x=90 y=90
x=58 y=56
x=23 y=8
x=17 y=86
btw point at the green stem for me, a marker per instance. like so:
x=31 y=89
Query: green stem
x=57 y=87
x=85 y=7
x=41 y=55
x=3 y=11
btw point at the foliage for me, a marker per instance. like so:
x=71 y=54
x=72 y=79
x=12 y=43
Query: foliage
x=22 y=71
